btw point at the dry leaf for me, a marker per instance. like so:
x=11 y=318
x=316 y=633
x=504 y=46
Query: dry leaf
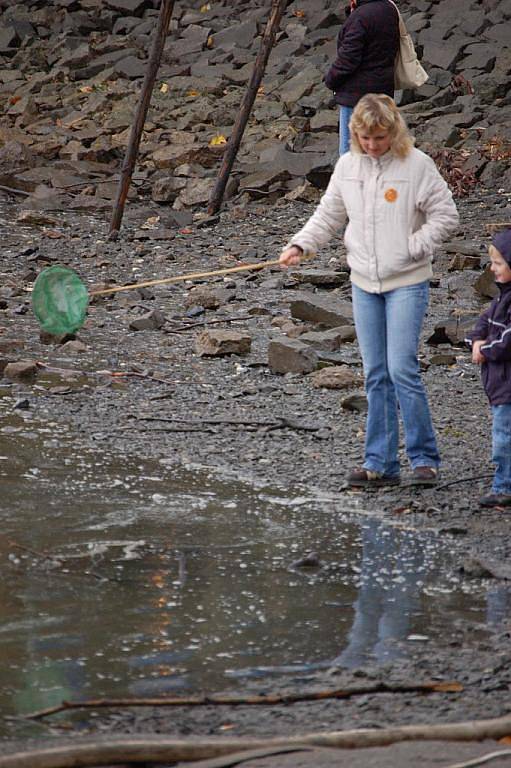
x=151 y=222
x=299 y=14
x=205 y=8
x=217 y=140
x=86 y=89
x=210 y=42
x=192 y=93
x=505 y=740
x=14 y=99
x=164 y=88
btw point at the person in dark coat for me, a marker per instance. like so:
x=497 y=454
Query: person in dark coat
x=491 y=349
x=367 y=45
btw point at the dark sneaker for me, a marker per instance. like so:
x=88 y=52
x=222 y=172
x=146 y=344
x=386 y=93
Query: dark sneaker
x=424 y=476
x=361 y=477
x=495 y=500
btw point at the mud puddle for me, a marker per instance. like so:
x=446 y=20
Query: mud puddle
x=122 y=577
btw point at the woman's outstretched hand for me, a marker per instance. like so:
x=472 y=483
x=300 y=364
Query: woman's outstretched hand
x=290 y=256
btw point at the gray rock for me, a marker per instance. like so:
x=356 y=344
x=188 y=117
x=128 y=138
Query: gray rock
x=321 y=277
x=151 y=321
x=9 y=40
x=335 y=377
x=485 y=284
x=74 y=347
x=462 y=261
x=203 y=296
x=330 y=340
x=242 y=34
x=328 y=311
x=326 y=120
x=195 y=192
x=291 y=356
x=300 y=85
x=216 y=343
x=357 y=402
x=21 y=370
x=166 y=189
x=130 y=67
x=15 y=157
x=453 y=330
x=128 y=7
x=442 y=358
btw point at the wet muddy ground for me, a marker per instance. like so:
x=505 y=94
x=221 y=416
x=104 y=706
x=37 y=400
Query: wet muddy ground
x=174 y=503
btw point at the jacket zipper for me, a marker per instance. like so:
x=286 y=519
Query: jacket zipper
x=378 y=164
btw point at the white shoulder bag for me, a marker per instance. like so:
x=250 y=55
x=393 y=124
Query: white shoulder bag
x=408 y=71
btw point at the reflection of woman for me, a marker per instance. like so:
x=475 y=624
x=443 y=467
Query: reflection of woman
x=398 y=209
x=367 y=45
x=388 y=596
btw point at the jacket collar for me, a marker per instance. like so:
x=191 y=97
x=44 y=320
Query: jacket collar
x=381 y=163
x=504 y=288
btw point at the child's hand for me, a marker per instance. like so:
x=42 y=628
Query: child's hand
x=477 y=356
x=290 y=256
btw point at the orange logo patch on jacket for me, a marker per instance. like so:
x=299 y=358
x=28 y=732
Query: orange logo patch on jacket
x=390 y=195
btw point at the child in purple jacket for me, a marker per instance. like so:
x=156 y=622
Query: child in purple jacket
x=491 y=349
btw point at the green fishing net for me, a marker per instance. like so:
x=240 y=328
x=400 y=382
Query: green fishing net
x=59 y=301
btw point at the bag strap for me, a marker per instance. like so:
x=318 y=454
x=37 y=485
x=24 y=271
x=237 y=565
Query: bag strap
x=403 y=32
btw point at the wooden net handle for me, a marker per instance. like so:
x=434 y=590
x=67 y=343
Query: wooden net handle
x=193 y=276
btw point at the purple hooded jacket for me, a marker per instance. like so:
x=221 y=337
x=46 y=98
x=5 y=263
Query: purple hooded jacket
x=494 y=326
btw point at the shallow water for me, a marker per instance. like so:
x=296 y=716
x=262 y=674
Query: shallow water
x=123 y=577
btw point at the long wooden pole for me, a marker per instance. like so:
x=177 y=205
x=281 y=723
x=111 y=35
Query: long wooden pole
x=231 y=150
x=195 y=276
x=166 y=8
x=144 y=748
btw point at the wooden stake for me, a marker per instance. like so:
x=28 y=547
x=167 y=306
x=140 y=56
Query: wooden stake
x=215 y=201
x=166 y=8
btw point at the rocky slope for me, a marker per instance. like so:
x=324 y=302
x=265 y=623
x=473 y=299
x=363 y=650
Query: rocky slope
x=71 y=72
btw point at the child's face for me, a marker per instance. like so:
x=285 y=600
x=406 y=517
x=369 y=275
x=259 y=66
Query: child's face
x=499 y=266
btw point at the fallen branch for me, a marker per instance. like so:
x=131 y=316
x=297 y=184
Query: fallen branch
x=462 y=480
x=54 y=559
x=146 y=749
x=42 y=555
x=282 y=423
x=241 y=757
x=217 y=320
x=269 y=700
x=14 y=191
x=112 y=374
x=482 y=760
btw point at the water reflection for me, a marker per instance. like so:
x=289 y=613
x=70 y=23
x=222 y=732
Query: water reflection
x=389 y=592
x=125 y=577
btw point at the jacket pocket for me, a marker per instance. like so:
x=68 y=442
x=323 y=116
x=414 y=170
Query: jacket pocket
x=393 y=224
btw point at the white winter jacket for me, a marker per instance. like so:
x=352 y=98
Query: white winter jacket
x=398 y=212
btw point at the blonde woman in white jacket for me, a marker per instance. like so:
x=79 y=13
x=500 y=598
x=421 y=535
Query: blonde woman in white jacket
x=398 y=209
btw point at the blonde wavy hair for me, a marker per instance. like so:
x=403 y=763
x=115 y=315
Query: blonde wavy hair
x=377 y=112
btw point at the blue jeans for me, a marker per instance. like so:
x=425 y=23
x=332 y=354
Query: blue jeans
x=344 y=130
x=502 y=448
x=388 y=327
